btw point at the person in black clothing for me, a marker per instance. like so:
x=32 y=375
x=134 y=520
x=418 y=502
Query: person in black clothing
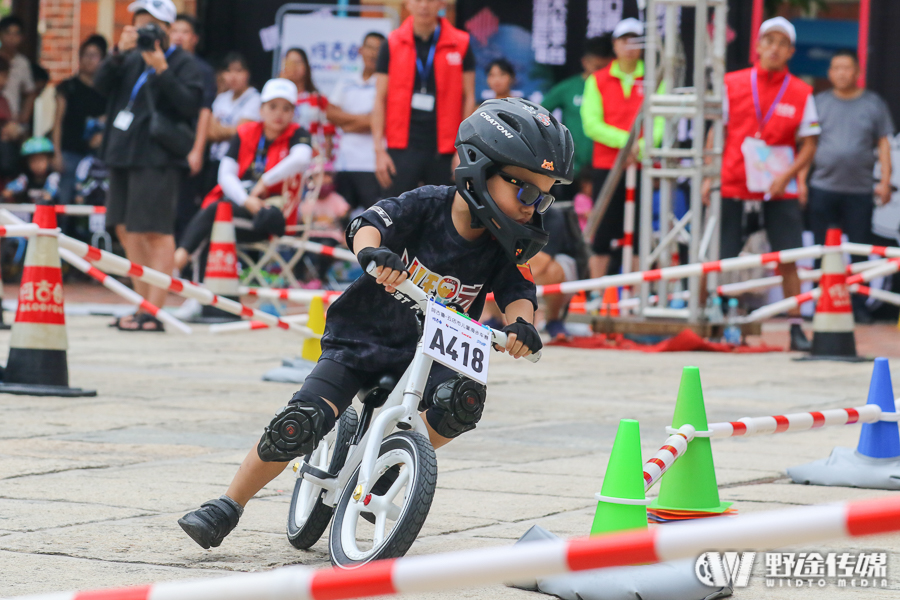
x=456 y=243
x=76 y=102
x=145 y=170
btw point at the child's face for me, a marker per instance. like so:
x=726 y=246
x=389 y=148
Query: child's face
x=499 y=81
x=587 y=187
x=277 y=114
x=505 y=194
x=236 y=77
x=4 y=77
x=39 y=164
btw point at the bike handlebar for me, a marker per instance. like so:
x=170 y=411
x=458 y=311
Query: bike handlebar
x=418 y=295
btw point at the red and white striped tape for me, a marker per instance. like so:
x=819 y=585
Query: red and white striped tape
x=122 y=266
x=868 y=413
x=238 y=326
x=60 y=209
x=317 y=248
x=673 y=448
x=522 y=562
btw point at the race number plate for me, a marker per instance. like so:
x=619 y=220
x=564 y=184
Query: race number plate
x=457 y=342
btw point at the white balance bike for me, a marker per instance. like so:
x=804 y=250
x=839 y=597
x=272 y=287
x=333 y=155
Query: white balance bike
x=337 y=478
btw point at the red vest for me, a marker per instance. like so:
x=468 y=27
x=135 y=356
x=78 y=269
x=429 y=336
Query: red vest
x=781 y=130
x=618 y=111
x=448 y=78
x=249 y=133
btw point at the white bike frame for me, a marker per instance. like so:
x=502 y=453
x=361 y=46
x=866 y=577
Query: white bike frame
x=402 y=405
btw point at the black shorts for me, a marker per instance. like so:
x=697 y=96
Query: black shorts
x=782 y=221
x=418 y=167
x=144 y=199
x=612 y=226
x=339 y=384
x=359 y=188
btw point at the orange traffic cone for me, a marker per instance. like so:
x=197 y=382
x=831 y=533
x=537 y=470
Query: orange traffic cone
x=610 y=306
x=37 y=364
x=221 y=274
x=833 y=337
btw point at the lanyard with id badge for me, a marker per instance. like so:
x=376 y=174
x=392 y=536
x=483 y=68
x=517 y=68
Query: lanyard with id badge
x=125 y=117
x=763 y=163
x=422 y=100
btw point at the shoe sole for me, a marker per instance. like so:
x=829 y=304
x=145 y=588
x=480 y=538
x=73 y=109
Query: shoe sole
x=194 y=532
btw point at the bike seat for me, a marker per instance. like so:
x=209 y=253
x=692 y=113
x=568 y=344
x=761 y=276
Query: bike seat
x=376 y=395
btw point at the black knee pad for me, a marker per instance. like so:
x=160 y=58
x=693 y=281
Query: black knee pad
x=296 y=429
x=457 y=406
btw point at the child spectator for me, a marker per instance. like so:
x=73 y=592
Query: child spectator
x=501 y=76
x=260 y=157
x=91 y=175
x=326 y=218
x=39 y=183
x=584 y=199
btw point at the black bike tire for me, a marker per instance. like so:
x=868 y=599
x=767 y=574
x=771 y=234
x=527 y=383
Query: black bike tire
x=408 y=525
x=316 y=523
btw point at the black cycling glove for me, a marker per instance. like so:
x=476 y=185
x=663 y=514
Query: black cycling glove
x=525 y=333
x=383 y=257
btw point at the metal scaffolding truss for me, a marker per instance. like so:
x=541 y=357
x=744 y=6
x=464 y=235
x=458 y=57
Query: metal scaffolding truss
x=686 y=159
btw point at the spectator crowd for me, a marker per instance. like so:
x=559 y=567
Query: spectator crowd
x=159 y=136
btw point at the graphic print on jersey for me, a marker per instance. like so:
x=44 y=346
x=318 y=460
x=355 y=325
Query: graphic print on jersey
x=448 y=289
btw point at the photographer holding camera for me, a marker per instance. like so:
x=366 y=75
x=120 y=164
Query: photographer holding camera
x=154 y=93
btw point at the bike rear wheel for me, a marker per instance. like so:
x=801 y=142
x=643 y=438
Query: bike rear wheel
x=308 y=516
x=399 y=512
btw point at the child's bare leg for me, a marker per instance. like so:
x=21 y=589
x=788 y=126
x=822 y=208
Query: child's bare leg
x=437 y=440
x=252 y=476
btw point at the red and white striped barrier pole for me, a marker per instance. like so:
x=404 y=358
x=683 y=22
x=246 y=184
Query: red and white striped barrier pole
x=868 y=413
x=29 y=230
x=883 y=270
x=292 y=295
x=740 y=287
x=122 y=290
x=884 y=296
x=317 y=248
x=60 y=209
x=109 y=262
x=776 y=308
x=236 y=326
x=869 y=250
x=682 y=271
x=495 y=566
x=673 y=448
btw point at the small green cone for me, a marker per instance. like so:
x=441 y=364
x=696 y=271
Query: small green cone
x=624 y=479
x=690 y=484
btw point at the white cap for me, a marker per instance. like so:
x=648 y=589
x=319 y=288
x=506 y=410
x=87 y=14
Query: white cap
x=781 y=25
x=164 y=10
x=628 y=26
x=279 y=88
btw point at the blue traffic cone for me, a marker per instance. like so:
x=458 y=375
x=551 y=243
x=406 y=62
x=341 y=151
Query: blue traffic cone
x=880 y=439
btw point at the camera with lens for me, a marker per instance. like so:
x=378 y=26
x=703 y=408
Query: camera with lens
x=148 y=35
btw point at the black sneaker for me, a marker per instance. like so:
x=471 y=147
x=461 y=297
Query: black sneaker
x=381 y=488
x=799 y=342
x=209 y=524
x=295 y=431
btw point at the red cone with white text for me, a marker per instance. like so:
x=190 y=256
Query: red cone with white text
x=833 y=322
x=221 y=274
x=38 y=364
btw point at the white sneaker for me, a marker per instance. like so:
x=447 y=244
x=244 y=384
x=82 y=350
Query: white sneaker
x=188 y=310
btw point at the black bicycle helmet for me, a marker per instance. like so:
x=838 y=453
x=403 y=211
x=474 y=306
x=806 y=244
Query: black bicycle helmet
x=515 y=132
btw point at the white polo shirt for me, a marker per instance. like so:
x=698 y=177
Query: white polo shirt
x=355 y=96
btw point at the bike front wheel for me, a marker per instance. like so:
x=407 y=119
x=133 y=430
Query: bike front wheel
x=308 y=516
x=398 y=512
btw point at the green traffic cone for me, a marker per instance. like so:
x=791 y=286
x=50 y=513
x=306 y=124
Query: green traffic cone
x=624 y=479
x=690 y=484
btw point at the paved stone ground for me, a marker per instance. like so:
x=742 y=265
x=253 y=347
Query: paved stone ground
x=90 y=488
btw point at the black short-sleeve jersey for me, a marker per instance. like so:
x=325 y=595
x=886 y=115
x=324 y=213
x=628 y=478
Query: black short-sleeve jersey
x=367 y=328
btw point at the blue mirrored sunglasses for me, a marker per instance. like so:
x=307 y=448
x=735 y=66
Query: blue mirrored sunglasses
x=529 y=194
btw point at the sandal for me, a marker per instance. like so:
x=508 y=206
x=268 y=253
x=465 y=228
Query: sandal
x=141 y=322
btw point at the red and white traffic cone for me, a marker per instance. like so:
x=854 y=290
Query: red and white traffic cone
x=221 y=274
x=833 y=322
x=37 y=364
